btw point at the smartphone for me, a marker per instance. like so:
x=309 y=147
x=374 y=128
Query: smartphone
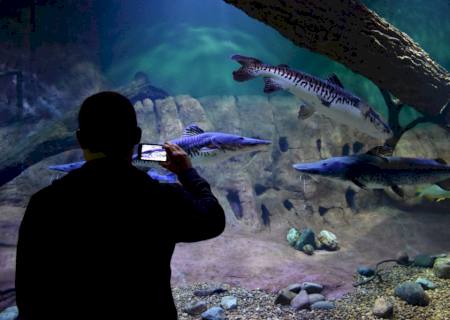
x=151 y=152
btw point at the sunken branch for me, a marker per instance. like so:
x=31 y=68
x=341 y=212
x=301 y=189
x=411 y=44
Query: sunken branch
x=348 y=32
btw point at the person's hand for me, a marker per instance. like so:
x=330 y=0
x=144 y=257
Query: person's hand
x=177 y=159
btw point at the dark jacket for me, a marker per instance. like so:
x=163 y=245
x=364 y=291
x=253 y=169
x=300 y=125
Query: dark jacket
x=97 y=243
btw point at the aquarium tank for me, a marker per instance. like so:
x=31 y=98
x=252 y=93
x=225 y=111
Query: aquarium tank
x=328 y=143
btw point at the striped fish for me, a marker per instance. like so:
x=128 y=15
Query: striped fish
x=327 y=97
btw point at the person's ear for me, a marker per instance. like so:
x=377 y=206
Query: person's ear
x=81 y=140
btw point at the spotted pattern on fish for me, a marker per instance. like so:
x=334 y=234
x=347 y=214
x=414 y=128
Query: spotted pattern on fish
x=329 y=92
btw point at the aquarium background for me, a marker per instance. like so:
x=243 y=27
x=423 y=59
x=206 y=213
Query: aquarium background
x=73 y=49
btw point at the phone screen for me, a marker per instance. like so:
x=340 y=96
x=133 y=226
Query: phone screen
x=152 y=152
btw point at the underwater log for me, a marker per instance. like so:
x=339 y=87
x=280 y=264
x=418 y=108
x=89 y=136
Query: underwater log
x=350 y=33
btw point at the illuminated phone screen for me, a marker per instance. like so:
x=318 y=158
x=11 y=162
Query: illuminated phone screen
x=152 y=152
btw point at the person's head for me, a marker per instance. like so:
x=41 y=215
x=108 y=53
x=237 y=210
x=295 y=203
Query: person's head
x=107 y=125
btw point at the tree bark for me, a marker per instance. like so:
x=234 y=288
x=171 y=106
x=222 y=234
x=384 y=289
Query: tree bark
x=348 y=32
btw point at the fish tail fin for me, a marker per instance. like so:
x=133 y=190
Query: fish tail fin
x=244 y=73
x=271 y=85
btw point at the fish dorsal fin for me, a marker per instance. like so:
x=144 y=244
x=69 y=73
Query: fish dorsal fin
x=192 y=130
x=282 y=66
x=440 y=160
x=381 y=151
x=335 y=80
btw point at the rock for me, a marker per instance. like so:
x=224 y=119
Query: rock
x=441 y=268
x=214 y=313
x=169 y=124
x=292 y=236
x=424 y=261
x=426 y=284
x=323 y=305
x=365 y=271
x=285 y=297
x=306 y=237
x=208 y=292
x=311 y=287
x=315 y=297
x=412 y=293
x=308 y=249
x=383 y=308
x=300 y=301
x=195 y=309
x=328 y=240
x=229 y=302
x=10 y=313
x=295 y=287
x=402 y=258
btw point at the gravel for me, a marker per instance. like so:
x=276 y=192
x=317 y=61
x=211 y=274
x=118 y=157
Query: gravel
x=259 y=304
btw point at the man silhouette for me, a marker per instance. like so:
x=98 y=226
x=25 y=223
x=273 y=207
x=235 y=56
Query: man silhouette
x=97 y=243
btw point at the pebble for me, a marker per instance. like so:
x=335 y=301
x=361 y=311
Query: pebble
x=383 y=308
x=424 y=261
x=356 y=305
x=229 y=302
x=402 y=258
x=208 y=292
x=311 y=287
x=300 y=301
x=315 y=297
x=285 y=297
x=292 y=236
x=365 y=271
x=214 y=313
x=426 y=284
x=328 y=240
x=323 y=305
x=195 y=309
x=10 y=313
x=441 y=268
x=308 y=249
x=412 y=293
x=295 y=287
x=306 y=237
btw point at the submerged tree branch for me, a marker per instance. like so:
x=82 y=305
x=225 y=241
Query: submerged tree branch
x=348 y=32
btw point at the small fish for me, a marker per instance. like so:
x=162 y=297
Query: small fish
x=433 y=193
x=376 y=170
x=327 y=97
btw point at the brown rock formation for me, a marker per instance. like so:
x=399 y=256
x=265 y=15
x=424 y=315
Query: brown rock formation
x=348 y=32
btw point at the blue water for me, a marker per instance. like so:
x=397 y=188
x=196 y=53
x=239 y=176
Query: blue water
x=185 y=45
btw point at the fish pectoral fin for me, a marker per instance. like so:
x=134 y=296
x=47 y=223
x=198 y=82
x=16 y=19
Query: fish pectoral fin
x=305 y=111
x=271 y=85
x=359 y=184
x=398 y=191
x=381 y=151
x=335 y=80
